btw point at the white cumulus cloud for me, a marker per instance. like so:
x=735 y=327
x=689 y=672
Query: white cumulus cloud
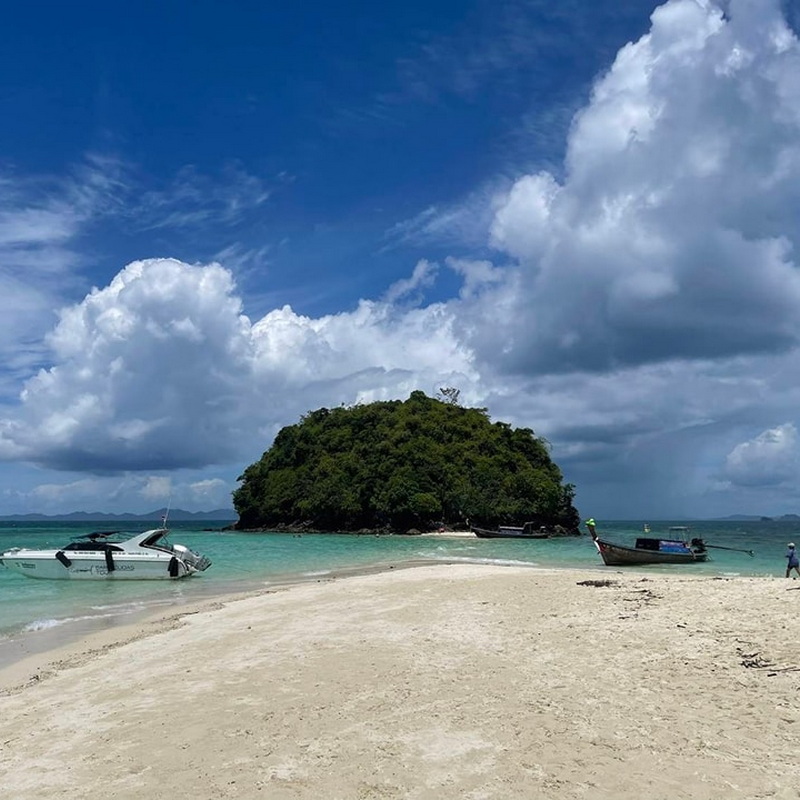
x=672 y=233
x=161 y=370
x=770 y=458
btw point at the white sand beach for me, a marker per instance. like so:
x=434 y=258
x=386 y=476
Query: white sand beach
x=466 y=681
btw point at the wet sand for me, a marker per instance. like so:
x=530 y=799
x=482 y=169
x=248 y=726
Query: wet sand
x=460 y=681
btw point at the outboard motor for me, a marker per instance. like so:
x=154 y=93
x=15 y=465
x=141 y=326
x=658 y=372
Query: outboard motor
x=194 y=561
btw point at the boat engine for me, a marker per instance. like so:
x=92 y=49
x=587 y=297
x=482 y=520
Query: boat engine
x=194 y=561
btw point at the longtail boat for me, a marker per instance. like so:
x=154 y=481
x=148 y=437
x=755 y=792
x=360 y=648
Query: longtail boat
x=527 y=531
x=649 y=550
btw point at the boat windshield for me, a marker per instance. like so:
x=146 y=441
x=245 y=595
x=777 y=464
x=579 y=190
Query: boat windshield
x=159 y=540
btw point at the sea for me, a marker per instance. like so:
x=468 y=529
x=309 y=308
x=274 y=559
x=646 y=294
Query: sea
x=32 y=611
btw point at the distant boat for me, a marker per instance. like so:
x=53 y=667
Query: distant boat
x=527 y=531
x=650 y=550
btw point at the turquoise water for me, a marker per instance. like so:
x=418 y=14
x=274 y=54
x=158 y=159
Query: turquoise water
x=244 y=561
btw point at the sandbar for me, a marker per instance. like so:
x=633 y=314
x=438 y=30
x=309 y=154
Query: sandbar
x=476 y=682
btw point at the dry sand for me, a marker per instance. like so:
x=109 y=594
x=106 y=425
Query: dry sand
x=463 y=682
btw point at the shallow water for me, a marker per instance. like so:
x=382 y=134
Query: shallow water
x=245 y=561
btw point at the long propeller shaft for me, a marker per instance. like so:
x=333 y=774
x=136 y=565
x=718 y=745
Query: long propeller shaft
x=735 y=549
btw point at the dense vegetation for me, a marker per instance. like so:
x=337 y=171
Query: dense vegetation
x=398 y=465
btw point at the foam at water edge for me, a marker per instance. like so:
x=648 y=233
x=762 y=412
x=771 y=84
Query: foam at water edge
x=134 y=605
x=502 y=562
x=49 y=623
x=45 y=624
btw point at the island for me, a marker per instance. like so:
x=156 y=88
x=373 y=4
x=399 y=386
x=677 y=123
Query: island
x=404 y=466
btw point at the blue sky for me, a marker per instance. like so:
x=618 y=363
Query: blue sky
x=216 y=217
x=328 y=125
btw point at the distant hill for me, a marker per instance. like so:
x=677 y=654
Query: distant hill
x=758 y=518
x=219 y=514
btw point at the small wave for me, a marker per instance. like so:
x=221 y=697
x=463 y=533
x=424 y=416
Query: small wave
x=131 y=606
x=107 y=612
x=49 y=623
x=46 y=624
x=318 y=574
x=116 y=607
x=501 y=562
x=443 y=548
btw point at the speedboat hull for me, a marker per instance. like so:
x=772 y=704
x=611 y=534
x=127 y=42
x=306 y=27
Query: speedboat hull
x=45 y=564
x=144 y=556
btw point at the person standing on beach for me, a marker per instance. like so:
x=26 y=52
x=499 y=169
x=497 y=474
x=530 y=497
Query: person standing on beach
x=793 y=562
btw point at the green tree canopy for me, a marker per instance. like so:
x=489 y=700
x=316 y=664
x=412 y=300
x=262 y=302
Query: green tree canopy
x=403 y=464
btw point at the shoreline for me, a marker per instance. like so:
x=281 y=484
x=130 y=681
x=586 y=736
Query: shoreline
x=28 y=655
x=35 y=643
x=438 y=680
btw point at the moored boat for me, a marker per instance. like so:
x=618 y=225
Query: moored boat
x=649 y=550
x=527 y=531
x=109 y=555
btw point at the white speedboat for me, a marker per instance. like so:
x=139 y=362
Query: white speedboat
x=110 y=555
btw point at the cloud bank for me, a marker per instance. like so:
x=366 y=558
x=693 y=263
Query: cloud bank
x=641 y=309
x=161 y=370
x=671 y=235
